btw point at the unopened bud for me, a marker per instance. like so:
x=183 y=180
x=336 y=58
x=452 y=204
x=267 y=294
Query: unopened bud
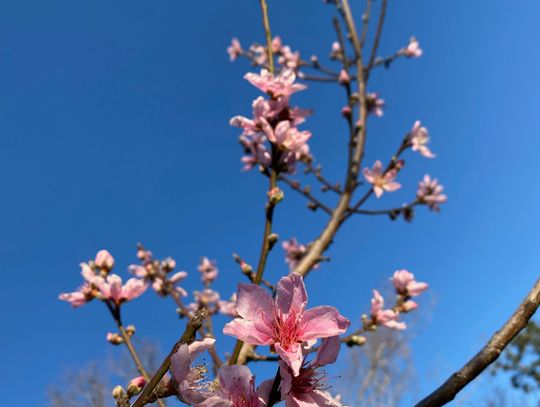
x=399 y=164
x=115 y=338
x=408 y=306
x=246 y=268
x=104 y=260
x=272 y=240
x=344 y=77
x=312 y=206
x=168 y=264
x=356 y=340
x=130 y=330
x=117 y=392
x=346 y=112
x=275 y=195
x=135 y=386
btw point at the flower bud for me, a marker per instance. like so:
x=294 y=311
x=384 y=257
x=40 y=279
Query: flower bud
x=104 y=260
x=246 y=268
x=275 y=195
x=344 y=77
x=272 y=240
x=135 y=386
x=356 y=340
x=168 y=264
x=115 y=338
x=408 y=306
x=130 y=330
x=118 y=392
x=346 y=111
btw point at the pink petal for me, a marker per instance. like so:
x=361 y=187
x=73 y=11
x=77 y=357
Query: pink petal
x=253 y=301
x=292 y=357
x=322 y=322
x=328 y=352
x=291 y=294
x=249 y=331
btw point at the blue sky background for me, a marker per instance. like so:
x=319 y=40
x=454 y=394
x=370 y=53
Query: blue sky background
x=114 y=129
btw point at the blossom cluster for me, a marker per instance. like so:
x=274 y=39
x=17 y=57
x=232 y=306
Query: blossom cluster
x=258 y=54
x=275 y=123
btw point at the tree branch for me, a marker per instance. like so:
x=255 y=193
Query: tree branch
x=488 y=354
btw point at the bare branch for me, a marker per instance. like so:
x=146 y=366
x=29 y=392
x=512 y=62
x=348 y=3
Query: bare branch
x=488 y=354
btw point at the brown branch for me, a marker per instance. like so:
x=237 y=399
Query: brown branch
x=356 y=146
x=188 y=337
x=327 y=185
x=488 y=354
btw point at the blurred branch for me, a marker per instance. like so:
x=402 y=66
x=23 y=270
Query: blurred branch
x=488 y=354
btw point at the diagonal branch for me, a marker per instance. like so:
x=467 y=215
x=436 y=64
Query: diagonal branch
x=488 y=354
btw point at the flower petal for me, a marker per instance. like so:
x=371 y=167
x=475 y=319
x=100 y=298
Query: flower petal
x=322 y=322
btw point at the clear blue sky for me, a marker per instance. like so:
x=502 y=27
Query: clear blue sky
x=114 y=129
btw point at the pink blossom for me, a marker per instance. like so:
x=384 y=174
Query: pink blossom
x=237 y=389
x=430 y=192
x=288 y=58
x=294 y=252
x=406 y=285
x=308 y=388
x=104 y=260
x=112 y=289
x=260 y=56
x=275 y=86
x=235 y=49
x=276 y=44
x=288 y=136
x=192 y=388
x=228 y=307
x=256 y=152
x=87 y=291
x=381 y=181
x=283 y=322
x=419 y=138
x=374 y=104
x=208 y=270
x=413 y=50
x=379 y=316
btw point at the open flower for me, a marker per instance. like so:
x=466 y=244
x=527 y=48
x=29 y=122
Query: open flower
x=275 y=86
x=375 y=104
x=111 y=288
x=406 y=285
x=294 y=252
x=87 y=291
x=208 y=270
x=237 y=389
x=228 y=307
x=283 y=322
x=430 y=192
x=382 y=181
x=308 y=388
x=413 y=50
x=192 y=387
x=288 y=136
x=419 y=139
x=385 y=317
x=234 y=50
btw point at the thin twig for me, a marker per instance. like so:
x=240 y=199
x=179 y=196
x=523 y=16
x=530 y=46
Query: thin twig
x=488 y=354
x=295 y=185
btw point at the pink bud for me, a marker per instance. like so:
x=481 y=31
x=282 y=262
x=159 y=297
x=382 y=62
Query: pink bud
x=104 y=260
x=344 y=77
